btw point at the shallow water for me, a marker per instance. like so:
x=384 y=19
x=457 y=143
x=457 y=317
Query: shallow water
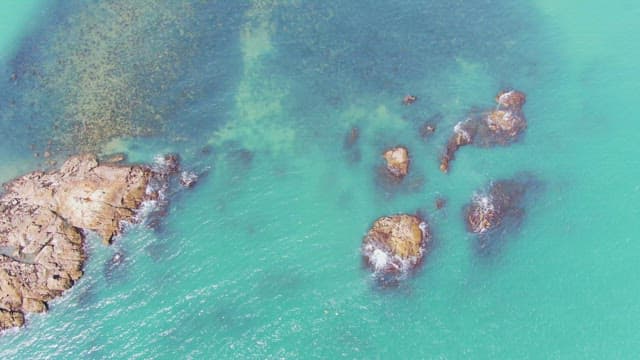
x=261 y=259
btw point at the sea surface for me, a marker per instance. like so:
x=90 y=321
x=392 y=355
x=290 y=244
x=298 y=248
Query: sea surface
x=261 y=259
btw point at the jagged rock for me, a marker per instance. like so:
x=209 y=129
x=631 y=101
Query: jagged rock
x=511 y=99
x=500 y=126
x=395 y=244
x=463 y=134
x=489 y=208
x=397 y=161
x=188 y=179
x=41 y=222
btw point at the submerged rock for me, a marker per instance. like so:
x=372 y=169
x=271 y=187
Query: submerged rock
x=42 y=221
x=501 y=204
x=500 y=126
x=351 y=138
x=409 y=99
x=397 y=161
x=188 y=179
x=395 y=244
x=350 y=145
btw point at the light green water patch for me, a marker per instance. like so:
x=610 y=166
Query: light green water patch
x=17 y=17
x=259 y=122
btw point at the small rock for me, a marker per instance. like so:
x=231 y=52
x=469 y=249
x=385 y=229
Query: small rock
x=397 y=161
x=188 y=179
x=9 y=319
x=427 y=129
x=500 y=126
x=409 y=99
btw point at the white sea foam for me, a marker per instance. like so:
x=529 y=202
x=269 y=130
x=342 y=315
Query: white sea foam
x=459 y=130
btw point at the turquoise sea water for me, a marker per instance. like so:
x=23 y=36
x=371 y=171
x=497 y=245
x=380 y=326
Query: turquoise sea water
x=261 y=259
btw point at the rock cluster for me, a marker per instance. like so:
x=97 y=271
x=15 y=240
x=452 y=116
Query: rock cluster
x=395 y=244
x=499 y=126
x=43 y=219
x=397 y=159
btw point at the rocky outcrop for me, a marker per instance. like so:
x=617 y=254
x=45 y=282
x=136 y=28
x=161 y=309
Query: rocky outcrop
x=502 y=200
x=395 y=244
x=43 y=217
x=397 y=159
x=500 y=126
x=463 y=134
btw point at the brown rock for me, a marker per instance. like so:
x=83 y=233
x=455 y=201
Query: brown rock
x=9 y=319
x=463 y=134
x=500 y=126
x=33 y=305
x=395 y=243
x=41 y=244
x=397 y=161
x=511 y=99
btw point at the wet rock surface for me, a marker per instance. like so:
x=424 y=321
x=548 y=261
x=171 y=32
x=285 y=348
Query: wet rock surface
x=43 y=218
x=500 y=126
x=395 y=244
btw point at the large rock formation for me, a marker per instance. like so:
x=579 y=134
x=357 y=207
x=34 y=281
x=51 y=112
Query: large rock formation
x=395 y=244
x=43 y=217
x=500 y=126
x=397 y=159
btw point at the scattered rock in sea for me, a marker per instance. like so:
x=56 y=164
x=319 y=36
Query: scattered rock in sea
x=167 y=164
x=409 y=99
x=114 y=264
x=395 y=244
x=43 y=219
x=500 y=126
x=188 y=179
x=427 y=129
x=397 y=161
x=430 y=126
x=500 y=205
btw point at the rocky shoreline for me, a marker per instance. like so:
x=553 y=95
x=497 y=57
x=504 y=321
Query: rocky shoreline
x=44 y=218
